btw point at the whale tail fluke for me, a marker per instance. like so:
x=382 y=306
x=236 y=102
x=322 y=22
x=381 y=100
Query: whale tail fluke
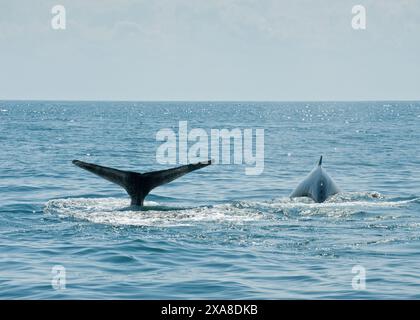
x=320 y=161
x=136 y=184
x=158 y=178
x=113 y=175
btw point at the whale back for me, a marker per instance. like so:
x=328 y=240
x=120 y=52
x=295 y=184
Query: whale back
x=318 y=185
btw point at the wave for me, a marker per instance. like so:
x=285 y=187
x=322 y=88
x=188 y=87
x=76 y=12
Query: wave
x=115 y=211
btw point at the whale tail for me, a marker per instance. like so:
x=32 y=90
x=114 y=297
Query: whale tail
x=136 y=184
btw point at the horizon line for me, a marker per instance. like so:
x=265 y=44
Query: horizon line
x=215 y=101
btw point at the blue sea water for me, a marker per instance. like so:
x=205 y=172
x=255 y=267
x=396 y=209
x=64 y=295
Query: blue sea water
x=215 y=233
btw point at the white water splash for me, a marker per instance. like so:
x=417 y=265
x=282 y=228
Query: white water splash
x=117 y=212
x=114 y=211
x=362 y=200
x=339 y=206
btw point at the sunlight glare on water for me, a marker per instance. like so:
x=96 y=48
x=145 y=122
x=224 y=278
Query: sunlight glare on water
x=215 y=233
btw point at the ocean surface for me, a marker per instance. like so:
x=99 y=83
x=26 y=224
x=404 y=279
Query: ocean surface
x=215 y=233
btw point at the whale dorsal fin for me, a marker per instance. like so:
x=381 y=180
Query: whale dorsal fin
x=320 y=161
x=136 y=184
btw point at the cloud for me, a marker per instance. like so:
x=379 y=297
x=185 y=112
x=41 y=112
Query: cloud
x=220 y=48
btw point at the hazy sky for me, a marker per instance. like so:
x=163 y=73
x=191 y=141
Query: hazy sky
x=210 y=50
